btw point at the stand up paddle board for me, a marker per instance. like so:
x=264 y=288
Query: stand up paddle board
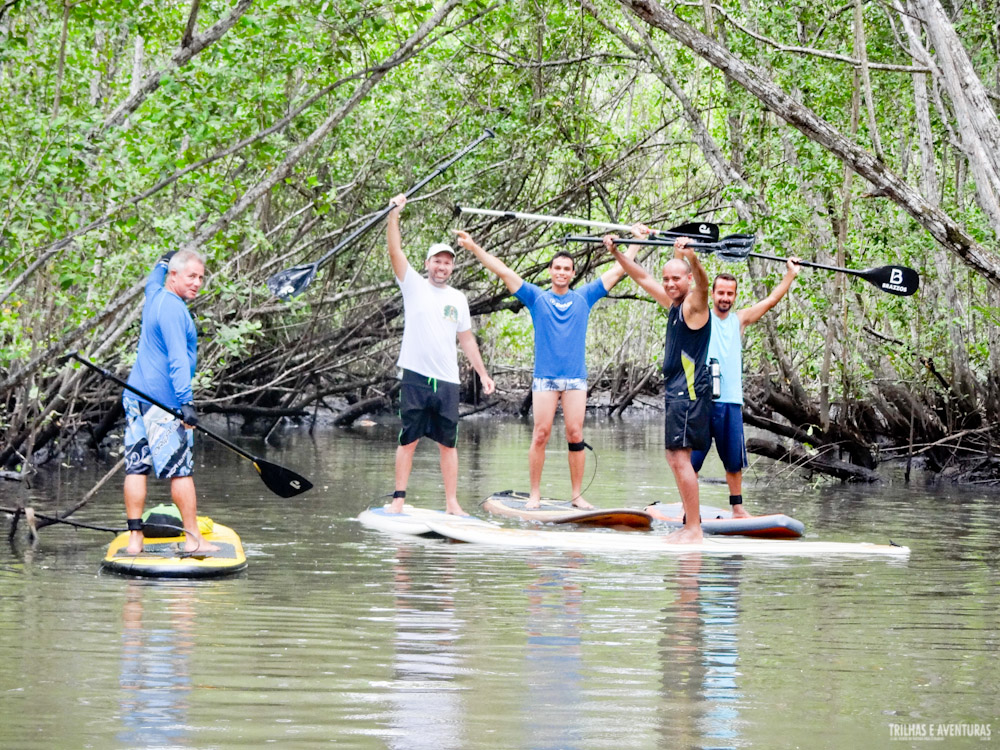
x=605 y=541
x=164 y=557
x=511 y=504
x=721 y=522
x=412 y=521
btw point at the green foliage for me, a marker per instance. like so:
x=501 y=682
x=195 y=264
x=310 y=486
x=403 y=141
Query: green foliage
x=583 y=127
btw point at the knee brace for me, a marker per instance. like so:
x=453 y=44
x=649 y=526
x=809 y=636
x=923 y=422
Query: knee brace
x=577 y=447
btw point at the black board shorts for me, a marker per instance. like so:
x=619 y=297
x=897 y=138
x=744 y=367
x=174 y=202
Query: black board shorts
x=686 y=423
x=428 y=407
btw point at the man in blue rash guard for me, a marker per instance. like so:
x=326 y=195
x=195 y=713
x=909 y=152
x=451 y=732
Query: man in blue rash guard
x=154 y=439
x=559 y=316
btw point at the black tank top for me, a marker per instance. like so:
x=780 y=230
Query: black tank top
x=685 y=369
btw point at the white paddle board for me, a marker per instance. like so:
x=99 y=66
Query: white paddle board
x=610 y=541
x=413 y=521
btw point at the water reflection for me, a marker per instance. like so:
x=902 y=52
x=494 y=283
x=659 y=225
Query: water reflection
x=155 y=676
x=700 y=652
x=427 y=707
x=553 y=658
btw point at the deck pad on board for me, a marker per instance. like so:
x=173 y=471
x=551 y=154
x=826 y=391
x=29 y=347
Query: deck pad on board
x=511 y=503
x=610 y=541
x=166 y=558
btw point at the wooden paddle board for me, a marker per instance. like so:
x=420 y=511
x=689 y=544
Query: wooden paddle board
x=412 y=521
x=511 y=503
x=164 y=557
x=611 y=541
x=721 y=522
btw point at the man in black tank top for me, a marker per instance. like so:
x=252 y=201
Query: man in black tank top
x=687 y=385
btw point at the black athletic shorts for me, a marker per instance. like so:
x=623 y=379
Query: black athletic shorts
x=428 y=407
x=686 y=423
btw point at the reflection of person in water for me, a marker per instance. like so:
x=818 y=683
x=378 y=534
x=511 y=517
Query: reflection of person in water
x=155 y=667
x=428 y=706
x=554 y=657
x=699 y=650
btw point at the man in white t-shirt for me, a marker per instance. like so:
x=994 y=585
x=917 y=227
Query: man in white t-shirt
x=434 y=315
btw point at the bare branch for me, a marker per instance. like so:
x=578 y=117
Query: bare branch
x=192 y=24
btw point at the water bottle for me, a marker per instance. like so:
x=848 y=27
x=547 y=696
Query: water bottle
x=716 y=372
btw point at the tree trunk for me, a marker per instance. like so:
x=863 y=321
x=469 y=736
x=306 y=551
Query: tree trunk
x=939 y=224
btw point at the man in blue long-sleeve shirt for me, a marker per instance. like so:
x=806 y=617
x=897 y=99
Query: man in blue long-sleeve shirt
x=155 y=439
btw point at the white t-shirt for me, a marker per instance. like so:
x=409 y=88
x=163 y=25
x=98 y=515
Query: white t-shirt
x=433 y=317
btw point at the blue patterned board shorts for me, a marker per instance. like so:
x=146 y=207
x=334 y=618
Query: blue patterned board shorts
x=157 y=440
x=559 y=384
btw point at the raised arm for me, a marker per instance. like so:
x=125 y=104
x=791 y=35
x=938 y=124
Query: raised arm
x=637 y=272
x=467 y=341
x=695 y=305
x=616 y=273
x=750 y=315
x=394 y=238
x=492 y=263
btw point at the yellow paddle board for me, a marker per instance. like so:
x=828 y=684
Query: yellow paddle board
x=164 y=557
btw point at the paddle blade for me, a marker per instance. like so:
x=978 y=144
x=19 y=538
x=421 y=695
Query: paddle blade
x=292 y=281
x=898 y=280
x=732 y=248
x=697 y=230
x=281 y=481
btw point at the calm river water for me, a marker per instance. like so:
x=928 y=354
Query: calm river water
x=341 y=636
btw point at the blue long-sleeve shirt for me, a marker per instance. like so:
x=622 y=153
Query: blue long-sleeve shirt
x=168 y=345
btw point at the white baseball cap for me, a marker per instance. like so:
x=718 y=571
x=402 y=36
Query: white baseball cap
x=439 y=247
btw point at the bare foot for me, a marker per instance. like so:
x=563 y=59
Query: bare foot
x=739 y=512
x=199 y=545
x=534 y=502
x=135 y=541
x=579 y=502
x=396 y=506
x=454 y=509
x=685 y=535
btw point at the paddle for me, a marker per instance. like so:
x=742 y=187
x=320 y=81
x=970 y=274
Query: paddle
x=731 y=247
x=898 y=280
x=695 y=230
x=292 y=281
x=281 y=481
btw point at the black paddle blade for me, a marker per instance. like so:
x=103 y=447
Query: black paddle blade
x=281 y=481
x=898 y=280
x=732 y=248
x=292 y=281
x=66 y=358
x=698 y=230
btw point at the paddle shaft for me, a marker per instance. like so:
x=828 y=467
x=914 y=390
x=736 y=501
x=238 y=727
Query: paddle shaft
x=560 y=220
x=114 y=378
x=656 y=243
x=487 y=133
x=808 y=264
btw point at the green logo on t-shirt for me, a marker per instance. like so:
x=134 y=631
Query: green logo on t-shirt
x=451 y=313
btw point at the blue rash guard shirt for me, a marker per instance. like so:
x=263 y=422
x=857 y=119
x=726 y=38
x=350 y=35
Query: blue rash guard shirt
x=168 y=346
x=726 y=345
x=560 y=323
